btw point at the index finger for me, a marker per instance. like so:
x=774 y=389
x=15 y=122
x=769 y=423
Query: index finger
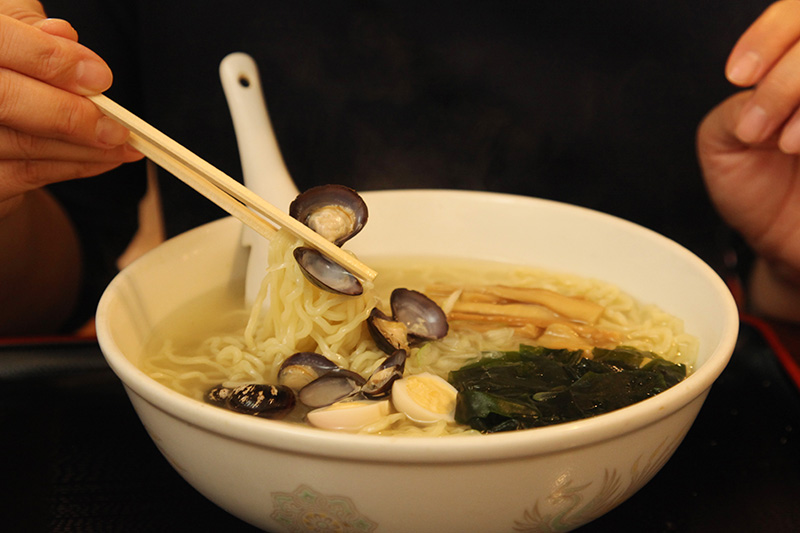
x=57 y=61
x=763 y=44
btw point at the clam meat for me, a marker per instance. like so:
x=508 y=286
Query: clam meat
x=335 y=212
x=302 y=368
x=379 y=384
x=415 y=319
x=388 y=334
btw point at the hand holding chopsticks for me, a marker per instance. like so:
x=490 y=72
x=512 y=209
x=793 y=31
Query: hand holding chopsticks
x=220 y=188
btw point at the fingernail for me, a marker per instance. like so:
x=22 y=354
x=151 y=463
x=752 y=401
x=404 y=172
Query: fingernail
x=744 y=70
x=111 y=133
x=752 y=124
x=59 y=27
x=93 y=76
x=790 y=138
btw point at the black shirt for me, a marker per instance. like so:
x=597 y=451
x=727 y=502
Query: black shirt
x=592 y=103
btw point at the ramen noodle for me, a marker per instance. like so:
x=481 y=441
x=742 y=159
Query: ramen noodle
x=291 y=315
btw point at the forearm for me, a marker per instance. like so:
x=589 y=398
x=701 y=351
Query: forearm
x=40 y=268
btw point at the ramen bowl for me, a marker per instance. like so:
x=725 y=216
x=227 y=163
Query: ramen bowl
x=281 y=476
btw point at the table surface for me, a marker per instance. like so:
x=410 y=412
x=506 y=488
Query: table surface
x=77 y=458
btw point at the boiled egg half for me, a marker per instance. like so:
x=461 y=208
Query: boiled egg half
x=349 y=415
x=425 y=398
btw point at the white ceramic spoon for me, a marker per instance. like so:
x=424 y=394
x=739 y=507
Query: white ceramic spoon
x=263 y=168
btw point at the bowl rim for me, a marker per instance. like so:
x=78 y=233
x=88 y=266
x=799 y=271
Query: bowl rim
x=422 y=449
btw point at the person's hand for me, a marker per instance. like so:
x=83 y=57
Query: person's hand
x=48 y=131
x=749 y=150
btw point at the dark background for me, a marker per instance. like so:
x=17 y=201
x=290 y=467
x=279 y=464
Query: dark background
x=592 y=103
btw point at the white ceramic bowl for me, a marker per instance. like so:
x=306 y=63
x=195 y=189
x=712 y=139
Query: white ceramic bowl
x=284 y=477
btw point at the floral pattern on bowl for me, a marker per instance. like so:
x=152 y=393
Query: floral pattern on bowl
x=570 y=498
x=309 y=511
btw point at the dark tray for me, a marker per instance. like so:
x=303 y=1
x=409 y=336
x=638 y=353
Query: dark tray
x=77 y=459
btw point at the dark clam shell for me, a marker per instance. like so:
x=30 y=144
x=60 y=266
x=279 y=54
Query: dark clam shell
x=424 y=319
x=265 y=401
x=302 y=368
x=388 y=334
x=379 y=384
x=331 y=388
x=326 y=274
x=334 y=211
x=218 y=395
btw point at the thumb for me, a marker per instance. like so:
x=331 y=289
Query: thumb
x=716 y=134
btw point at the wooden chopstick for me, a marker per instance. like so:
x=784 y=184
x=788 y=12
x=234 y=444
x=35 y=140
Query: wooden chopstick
x=220 y=188
x=198 y=183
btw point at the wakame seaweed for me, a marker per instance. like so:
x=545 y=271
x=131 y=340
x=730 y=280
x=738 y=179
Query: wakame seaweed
x=537 y=386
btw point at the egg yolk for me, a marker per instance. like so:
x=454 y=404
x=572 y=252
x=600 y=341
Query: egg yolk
x=430 y=394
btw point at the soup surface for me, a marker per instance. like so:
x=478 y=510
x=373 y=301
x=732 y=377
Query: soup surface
x=492 y=309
